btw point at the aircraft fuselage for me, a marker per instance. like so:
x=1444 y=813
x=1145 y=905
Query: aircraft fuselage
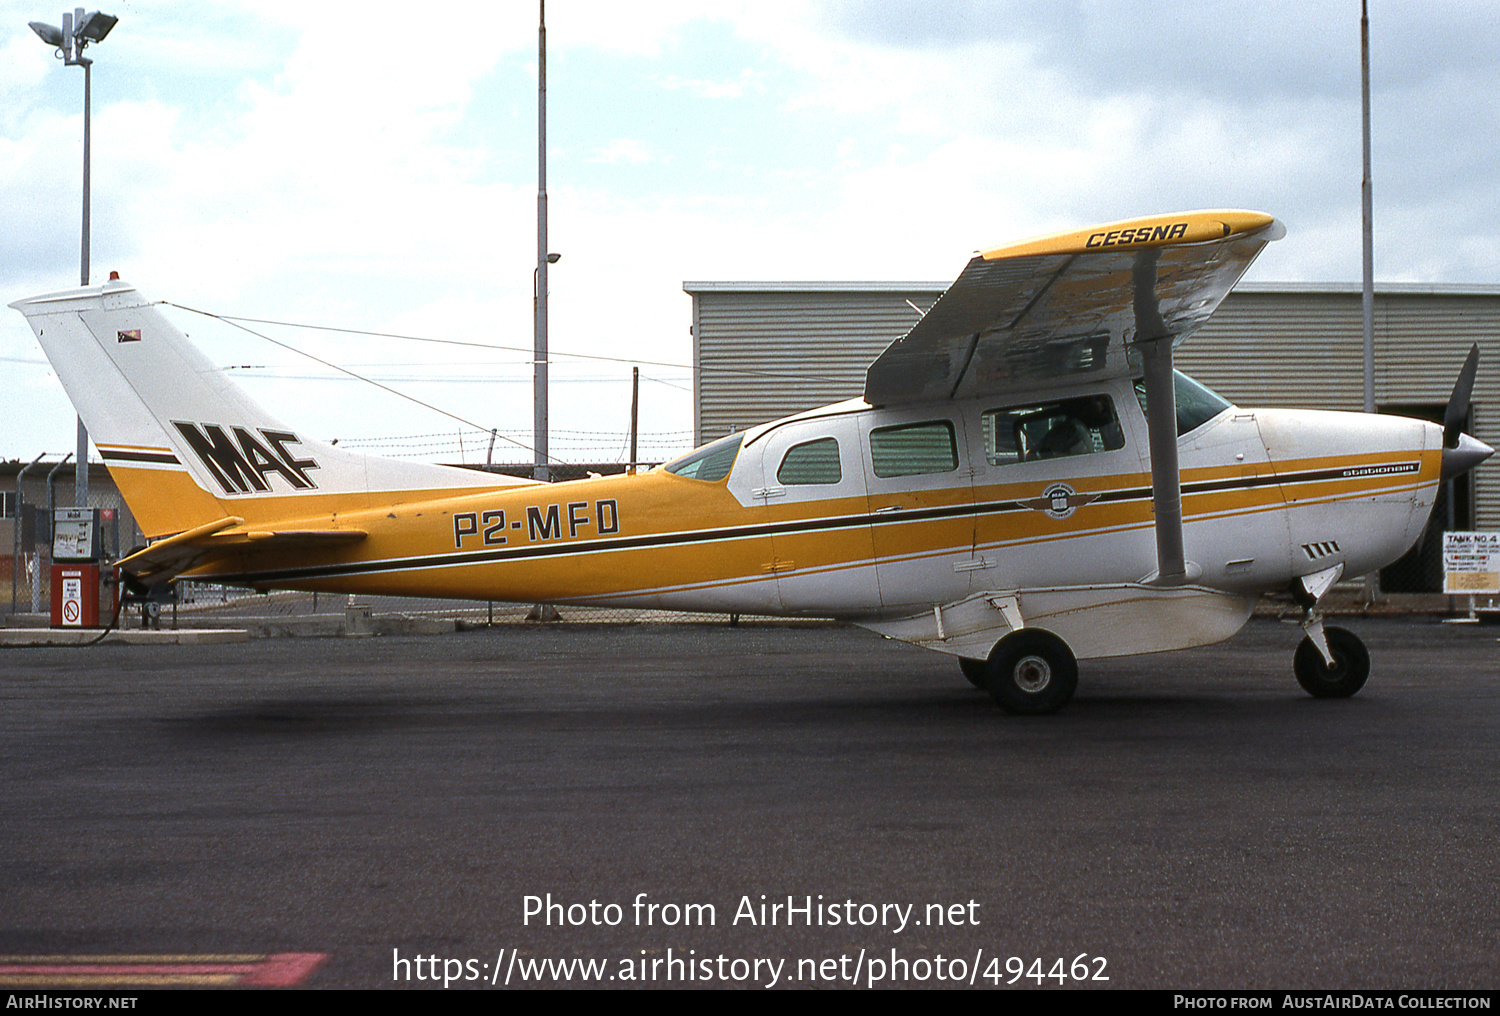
x=882 y=514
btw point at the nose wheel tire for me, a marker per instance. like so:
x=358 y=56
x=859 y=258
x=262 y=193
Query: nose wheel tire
x=1351 y=665
x=1031 y=672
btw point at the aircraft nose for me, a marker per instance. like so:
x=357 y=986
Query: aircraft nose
x=1469 y=453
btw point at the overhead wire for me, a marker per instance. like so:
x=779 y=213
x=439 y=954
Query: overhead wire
x=240 y=322
x=233 y=323
x=230 y=318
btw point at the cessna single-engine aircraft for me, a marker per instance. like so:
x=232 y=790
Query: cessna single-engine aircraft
x=1025 y=483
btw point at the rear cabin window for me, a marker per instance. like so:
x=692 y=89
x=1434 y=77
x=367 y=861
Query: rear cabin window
x=1052 y=430
x=914 y=448
x=811 y=462
x=711 y=462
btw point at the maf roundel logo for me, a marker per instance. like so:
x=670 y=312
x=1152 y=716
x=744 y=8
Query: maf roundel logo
x=1060 y=501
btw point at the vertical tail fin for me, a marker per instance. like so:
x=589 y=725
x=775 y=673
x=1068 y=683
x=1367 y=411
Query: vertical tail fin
x=185 y=445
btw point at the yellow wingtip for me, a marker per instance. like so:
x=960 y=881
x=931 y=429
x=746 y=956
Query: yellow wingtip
x=1149 y=231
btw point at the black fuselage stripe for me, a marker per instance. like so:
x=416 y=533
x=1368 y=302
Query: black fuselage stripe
x=780 y=528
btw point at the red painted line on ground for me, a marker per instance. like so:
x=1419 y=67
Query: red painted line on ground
x=129 y=968
x=284 y=970
x=279 y=970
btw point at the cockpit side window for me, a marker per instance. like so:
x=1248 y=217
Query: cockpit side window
x=1196 y=402
x=1052 y=430
x=811 y=462
x=711 y=462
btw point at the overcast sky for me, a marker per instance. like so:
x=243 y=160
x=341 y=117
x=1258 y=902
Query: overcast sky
x=269 y=159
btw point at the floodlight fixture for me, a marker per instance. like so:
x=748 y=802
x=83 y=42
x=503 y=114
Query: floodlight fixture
x=95 y=26
x=553 y=259
x=50 y=34
x=78 y=30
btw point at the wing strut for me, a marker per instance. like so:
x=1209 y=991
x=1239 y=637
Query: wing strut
x=1155 y=343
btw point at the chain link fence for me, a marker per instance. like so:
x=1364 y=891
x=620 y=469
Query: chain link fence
x=27 y=568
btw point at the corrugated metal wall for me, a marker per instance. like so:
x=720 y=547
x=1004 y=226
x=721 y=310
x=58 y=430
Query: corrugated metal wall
x=761 y=354
x=766 y=350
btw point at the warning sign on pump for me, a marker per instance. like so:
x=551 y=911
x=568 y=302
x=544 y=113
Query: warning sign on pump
x=72 y=601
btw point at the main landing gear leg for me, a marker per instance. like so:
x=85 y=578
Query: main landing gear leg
x=1330 y=662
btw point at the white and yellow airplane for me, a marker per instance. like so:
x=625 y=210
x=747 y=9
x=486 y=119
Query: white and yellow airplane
x=1026 y=482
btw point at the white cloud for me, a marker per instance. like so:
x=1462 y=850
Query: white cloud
x=750 y=80
x=625 y=150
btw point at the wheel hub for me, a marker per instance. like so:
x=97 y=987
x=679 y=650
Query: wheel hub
x=1032 y=674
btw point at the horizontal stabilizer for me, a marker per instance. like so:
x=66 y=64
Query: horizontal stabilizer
x=168 y=558
x=184 y=549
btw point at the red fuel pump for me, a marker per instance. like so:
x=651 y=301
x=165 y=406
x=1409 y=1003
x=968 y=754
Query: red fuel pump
x=77 y=547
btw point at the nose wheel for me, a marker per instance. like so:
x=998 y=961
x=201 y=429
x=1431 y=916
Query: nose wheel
x=1340 y=678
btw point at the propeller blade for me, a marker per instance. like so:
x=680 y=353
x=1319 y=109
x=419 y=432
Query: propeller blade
x=1457 y=413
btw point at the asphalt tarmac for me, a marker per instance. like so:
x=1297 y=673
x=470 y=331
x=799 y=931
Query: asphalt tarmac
x=1190 y=820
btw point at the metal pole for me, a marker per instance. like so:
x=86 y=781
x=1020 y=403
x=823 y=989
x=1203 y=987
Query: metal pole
x=81 y=471
x=635 y=410
x=1366 y=203
x=539 y=382
x=15 y=560
x=1371 y=589
x=88 y=92
x=541 y=611
x=51 y=491
x=51 y=530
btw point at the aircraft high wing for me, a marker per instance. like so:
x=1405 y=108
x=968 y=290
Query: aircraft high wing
x=1068 y=307
x=1027 y=482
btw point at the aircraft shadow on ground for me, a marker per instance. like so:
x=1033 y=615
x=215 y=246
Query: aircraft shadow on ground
x=952 y=708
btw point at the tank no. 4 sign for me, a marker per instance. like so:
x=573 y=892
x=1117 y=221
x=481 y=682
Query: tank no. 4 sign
x=1471 y=562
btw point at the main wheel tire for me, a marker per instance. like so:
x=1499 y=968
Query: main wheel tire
x=1031 y=672
x=1350 y=670
x=975 y=671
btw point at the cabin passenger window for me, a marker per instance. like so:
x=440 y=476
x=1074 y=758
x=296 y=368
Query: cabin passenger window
x=711 y=462
x=811 y=462
x=1052 y=430
x=914 y=448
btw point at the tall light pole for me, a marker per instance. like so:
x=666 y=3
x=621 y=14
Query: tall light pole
x=1367 y=299
x=1371 y=589
x=539 y=367
x=77 y=31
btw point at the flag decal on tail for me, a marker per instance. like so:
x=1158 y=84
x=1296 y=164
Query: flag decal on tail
x=132 y=335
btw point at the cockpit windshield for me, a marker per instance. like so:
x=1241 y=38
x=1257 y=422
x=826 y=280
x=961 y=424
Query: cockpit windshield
x=711 y=462
x=1196 y=402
